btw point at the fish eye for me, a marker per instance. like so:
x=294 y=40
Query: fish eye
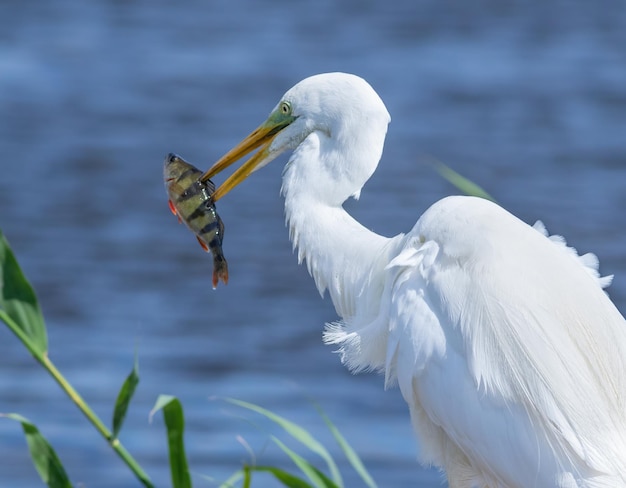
x=285 y=108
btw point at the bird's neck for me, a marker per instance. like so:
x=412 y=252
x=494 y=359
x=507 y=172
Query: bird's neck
x=342 y=256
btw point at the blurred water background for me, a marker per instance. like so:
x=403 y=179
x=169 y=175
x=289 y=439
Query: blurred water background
x=526 y=98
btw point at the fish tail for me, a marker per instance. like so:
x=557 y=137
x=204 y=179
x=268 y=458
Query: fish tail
x=220 y=271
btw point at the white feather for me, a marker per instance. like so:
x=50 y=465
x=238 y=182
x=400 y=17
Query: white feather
x=510 y=356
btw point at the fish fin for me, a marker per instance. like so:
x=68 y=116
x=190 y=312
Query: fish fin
x=220 y=272
x=174 y=211
x=203 y=244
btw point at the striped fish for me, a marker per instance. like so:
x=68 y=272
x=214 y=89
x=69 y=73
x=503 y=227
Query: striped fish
x=190 y=200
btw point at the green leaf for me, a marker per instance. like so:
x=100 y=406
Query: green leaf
x=230 y=482
x=298 y=433
x=287 y=479
x=44 y=458
x=350 y=453
x=463 y=184
x=124 y=397
x=318 y=478
x=18 y=300
x=175 y=423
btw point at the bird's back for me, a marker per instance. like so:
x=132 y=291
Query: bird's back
x=507 y=350
x=530 y=342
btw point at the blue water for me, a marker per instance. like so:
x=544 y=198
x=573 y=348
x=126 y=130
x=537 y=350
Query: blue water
x=528 y=99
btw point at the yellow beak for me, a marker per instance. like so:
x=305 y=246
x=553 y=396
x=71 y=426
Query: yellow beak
x=262 y=136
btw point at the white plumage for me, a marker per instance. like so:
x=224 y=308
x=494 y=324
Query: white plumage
x=511 y=357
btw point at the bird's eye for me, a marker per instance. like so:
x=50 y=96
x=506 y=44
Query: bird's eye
x=285 y=108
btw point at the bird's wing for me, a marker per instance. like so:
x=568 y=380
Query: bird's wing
x=588 y=261
x=499 y=332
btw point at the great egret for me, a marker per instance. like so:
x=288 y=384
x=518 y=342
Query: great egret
x=511 y=357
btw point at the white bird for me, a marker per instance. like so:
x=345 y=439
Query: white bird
x=511 y=357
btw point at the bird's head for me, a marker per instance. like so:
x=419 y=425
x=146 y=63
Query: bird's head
x=343 y=108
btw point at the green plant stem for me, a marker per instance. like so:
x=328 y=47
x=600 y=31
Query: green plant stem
x=44 y=360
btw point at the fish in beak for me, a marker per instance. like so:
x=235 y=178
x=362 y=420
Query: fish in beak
x=190 y=200
x=262 y=138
